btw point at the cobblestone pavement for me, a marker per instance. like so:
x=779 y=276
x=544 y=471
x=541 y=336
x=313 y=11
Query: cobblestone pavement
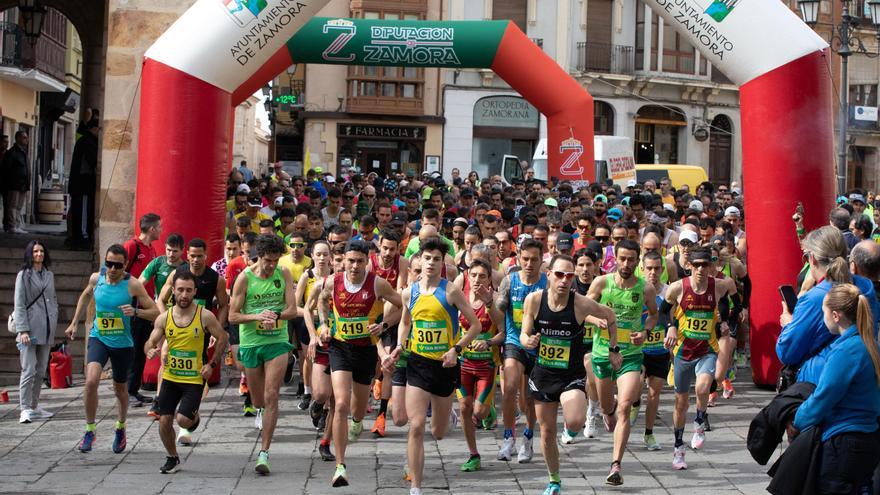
x=41 y=457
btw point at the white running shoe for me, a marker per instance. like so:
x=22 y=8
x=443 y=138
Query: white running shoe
x=258 y=419
x=184 y=437
x=415 y=491
x=678 y=459
x=699 y=436
x=525 y=451
x=505 y=453
x=42 y=413
x=590 y=431
x=565 y=438
x=27 y=416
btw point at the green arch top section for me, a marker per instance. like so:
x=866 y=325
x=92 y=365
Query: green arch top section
x=464 y=44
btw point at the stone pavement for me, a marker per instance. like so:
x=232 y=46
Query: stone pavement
x=41 y=457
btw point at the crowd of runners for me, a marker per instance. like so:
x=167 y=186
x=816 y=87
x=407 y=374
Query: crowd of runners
x=413 y=293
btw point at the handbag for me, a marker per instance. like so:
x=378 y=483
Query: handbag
x=10 y=322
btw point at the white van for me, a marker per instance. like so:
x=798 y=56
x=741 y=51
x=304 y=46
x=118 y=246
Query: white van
x=613 y=158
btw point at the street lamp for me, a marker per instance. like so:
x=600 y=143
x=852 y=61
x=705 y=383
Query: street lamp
x=33 y=15
x=844 y=44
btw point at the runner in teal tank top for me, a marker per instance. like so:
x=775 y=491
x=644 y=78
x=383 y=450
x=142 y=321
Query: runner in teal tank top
x=110 y=292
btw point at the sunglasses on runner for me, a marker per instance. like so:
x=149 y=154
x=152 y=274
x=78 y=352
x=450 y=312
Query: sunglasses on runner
x=114 y=265
x=565 y=275
x=602 y=238
x=297 y=245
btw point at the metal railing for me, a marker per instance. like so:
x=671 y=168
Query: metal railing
x=45 y=55
x=10 y=44
x=605 y=57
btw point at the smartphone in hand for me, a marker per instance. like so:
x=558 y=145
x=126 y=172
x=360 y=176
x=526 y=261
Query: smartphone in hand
x=789 y=296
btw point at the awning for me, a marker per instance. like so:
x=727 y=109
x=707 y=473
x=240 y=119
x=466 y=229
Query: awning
x=31 y=79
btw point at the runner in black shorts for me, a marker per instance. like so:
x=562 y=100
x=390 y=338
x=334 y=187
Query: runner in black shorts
x=553 y=324
x=657 y=357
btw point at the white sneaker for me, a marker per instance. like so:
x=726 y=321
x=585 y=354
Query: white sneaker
x=184 y=437
x=678 y=462
x=505 y=453
x=565 y=438
x=699 y=436
x=42 y=413
x=525 y=451
x=258 y=419
x=415 y=491
x=27 y=416
x=19 y=230
x=590 y=431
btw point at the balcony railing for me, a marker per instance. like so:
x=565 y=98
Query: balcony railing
x=605 y=57
x=46 y=55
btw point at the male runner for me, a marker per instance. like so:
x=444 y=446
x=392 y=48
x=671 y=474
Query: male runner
x=480 y=359
x=262 y=299
x=657 y=357
x=297 y=263
x=617 y=355
x=110 y=293
x=695 y=346
x=392 y=267
x=518 y=362
x=210 y=286
x=553 y=323
x=356 y=299
x=185 y=369
x=432 y=371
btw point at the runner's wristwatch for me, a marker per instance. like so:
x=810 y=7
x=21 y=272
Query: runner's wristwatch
x=615 y=349
x=457 y=349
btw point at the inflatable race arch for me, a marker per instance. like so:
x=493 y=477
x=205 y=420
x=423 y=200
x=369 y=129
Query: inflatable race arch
x=221 y=51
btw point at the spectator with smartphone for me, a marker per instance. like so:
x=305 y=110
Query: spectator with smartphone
x=804 y=340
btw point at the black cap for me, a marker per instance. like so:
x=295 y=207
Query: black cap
x=564 y=242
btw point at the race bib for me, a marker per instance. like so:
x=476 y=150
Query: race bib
x=269 y=331
x=430 y=337
x=655 y=338
x=589 y=333
x=110 y=323
x=182 y=363
x=474 y=355
x=698 y=325
x=352 y=328
x=554 y=353
x=623 y=337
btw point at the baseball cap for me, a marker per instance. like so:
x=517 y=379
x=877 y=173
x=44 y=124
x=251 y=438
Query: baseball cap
x=841 y=200
x=600 y=198
x=564 y=241
x=668 y=207
x=615 y=214
x=688 y=235
x=551 y=202
x=631 y=183
x=318 y=170
x=243 y=188
x=400 y=215
x=696 y=205
x=494 y=213
x=329 y=179
x=279 y=200
x=857 y=197
x=731 y=211
x=426 y=193
x=254 y=200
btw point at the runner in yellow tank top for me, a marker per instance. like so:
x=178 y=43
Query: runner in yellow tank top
x=185 y=328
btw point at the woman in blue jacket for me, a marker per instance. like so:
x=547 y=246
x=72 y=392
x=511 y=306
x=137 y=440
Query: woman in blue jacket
x=846 y=402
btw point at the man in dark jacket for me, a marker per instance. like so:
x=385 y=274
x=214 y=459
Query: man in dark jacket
x=82 y=185
x=16 y=179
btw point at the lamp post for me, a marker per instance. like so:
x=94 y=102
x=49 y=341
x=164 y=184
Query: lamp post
x=33 y=14
x=844 y=44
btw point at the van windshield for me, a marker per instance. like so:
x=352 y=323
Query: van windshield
x=540 y=167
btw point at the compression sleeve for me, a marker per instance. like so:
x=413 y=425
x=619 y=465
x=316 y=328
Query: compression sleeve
x=665 y=308
x=747 y=291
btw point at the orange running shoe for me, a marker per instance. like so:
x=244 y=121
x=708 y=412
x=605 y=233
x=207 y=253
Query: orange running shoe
x=242 y=387
x=713 y=397
x=728 y=389
x=377 y=390
x=229 y=361
x=379 y=426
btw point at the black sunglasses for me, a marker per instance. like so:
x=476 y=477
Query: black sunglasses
x=117 y=265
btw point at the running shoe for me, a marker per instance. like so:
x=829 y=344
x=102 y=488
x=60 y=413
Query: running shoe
x=553 y=488
x=262 y=466
x=610 y=421
x=415 y=491
x=740 y=359
x=184 y=437
x=565 y=438
x=377 y=390
x=26 y=416
x=326 y=455
x=728 y=391
x=678 y=459
x=379 y=426
x=699 y=436
x=228 y=359
x=525 y=451
x=172 y=464
x=133 y=401
x=119 y=442
x=41 y=413
x=242 y=386
x=731 y=373
x=354 y=431
x=471 y=465
x=340 y=478
x=146 y=399
x=258 y=419
x=304 y=403
x=315 y=412
x=614 y=477
x=322 y=421
x=87 y=441
x=505 y=453
x=633 y=415
x=491 y=420
x=406 y=476
x=154 y=411
x=713 y=398
x=249 y=410
x=651 y=442
x=590 y=431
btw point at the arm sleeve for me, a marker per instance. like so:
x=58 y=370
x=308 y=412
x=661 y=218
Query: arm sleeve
x=747 y=291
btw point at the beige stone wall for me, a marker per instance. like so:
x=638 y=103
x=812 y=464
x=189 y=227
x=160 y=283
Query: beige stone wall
x=133 y=25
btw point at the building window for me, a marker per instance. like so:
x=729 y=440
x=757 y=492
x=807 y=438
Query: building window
x=515 y=11
x=641 y=44
x=603 y=119
x=863 y=95
x=657 y=134
x=678 y=54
